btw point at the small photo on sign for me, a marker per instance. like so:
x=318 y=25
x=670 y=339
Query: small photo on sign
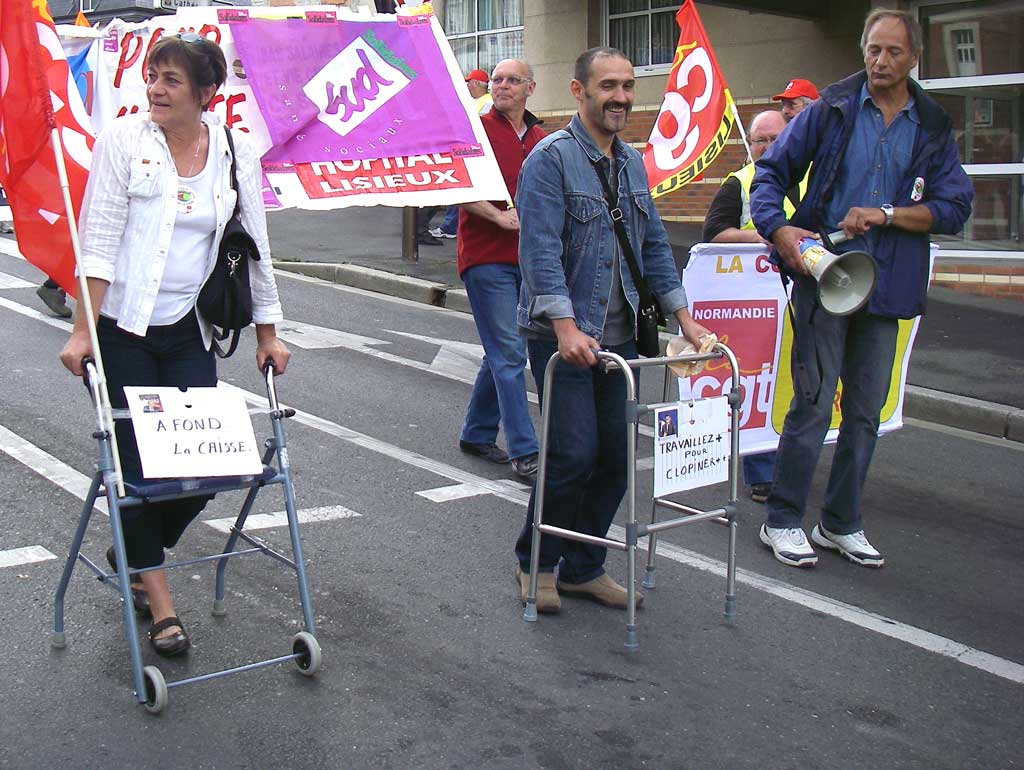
x=668 y=423
x=151 y=403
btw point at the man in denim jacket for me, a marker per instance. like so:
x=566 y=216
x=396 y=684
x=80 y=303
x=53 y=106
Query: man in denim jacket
x=885 y=172
x=577 y=296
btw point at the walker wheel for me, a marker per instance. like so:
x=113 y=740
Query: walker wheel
x=156 y=690
x=304 y=645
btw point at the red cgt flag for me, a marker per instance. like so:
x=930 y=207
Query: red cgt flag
x=696 y=115
x=36 y=98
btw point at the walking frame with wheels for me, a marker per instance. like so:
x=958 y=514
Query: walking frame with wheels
x=150 y=687
x=725 y=515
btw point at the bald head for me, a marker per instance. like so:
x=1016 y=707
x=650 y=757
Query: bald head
x=763 y=129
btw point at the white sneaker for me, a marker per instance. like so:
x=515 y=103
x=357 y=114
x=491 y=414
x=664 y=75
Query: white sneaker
x=437 y=232
x=854 y=546
x=790 y=545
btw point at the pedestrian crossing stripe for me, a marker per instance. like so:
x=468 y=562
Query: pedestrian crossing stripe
x=280 y=518
x=28 y=555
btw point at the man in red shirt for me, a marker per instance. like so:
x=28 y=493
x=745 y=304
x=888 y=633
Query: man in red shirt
x=488 y=254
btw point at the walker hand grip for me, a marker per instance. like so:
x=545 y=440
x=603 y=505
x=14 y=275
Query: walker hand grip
x=87 y=363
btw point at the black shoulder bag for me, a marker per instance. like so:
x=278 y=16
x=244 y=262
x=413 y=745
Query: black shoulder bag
x=226 y=298
x=649 y=315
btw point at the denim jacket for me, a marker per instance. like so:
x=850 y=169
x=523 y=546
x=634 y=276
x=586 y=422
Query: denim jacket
x=566 y=241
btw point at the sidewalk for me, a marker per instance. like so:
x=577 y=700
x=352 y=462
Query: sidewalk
x=966 y=370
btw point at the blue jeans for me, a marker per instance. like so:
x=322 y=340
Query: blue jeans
x=171 y=355
x=586 y=462
x=860 y=348
x=451 y=220
x=499 y=393
x=759 y=468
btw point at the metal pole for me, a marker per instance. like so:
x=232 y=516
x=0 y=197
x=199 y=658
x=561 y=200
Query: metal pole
x=410 y=249
x=743 y=134
x=85 y=306
x=530 y=613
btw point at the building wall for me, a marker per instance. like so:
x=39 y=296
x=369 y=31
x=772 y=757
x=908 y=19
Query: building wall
x=758 y=52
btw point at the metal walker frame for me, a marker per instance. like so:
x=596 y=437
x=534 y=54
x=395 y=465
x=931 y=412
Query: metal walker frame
x=725 y=515
x=150 y=687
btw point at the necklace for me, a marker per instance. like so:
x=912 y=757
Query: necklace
x=195 y=155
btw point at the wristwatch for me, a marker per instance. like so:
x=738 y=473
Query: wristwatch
x=889 y=211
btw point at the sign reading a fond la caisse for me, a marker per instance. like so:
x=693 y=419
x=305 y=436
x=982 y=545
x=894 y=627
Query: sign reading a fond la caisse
x=193 y=433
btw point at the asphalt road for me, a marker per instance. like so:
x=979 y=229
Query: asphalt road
x=427 y=662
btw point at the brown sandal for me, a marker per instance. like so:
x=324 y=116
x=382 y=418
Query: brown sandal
x=172 y=645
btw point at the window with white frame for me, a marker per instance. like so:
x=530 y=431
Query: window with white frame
x=483 y=32
x=974 y=67
x=644 y=30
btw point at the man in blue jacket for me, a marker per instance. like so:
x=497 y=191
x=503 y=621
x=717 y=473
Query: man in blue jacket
x=885 y=172
x=577 y=296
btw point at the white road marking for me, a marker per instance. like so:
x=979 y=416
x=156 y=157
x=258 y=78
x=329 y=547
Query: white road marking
x=894 y=629
x=925 y=640
x=454 y=359
x=372 y=294
x=454 y=492
x=48 y=466
x=10 y=248
x=13 y=282
x=35 y=315
x=28 y=555
x=313 y=337
x=280 y=518
x=499 y=488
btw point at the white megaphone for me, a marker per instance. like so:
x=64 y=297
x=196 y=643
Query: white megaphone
x=845 y=281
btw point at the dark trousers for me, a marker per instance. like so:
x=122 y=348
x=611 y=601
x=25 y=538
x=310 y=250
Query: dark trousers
x=586 y=462
x=860 y=348
x=170 y=356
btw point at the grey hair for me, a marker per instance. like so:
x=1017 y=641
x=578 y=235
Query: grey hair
x=914 y=31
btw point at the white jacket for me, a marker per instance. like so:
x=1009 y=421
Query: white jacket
x=129 y=210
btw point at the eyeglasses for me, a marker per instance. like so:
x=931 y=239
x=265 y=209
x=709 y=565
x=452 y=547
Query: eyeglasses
x=189 y=37
x=766 y=140
x=512 y=80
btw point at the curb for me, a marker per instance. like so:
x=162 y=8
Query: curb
x=970 y=414
x=371 y=279
x=920 y=403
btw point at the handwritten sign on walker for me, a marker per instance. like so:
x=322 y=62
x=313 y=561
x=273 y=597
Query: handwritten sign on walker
x=194 y=432
x=691 y=447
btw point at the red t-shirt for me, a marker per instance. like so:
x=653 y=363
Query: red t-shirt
x=482 y=242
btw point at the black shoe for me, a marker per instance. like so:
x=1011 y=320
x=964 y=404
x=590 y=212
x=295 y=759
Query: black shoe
x=426 y=239
x=525 y=467
x=140 y=598
x=490 y=451
x=172 y=645
x=56 y=300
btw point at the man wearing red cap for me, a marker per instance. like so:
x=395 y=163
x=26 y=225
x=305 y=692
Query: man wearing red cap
x=797 y=95
x=476 y=82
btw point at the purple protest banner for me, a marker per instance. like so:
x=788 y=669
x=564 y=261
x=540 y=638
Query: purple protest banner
x=351 y=89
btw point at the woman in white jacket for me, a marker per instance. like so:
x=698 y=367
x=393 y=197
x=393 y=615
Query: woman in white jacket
x=158 y=198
